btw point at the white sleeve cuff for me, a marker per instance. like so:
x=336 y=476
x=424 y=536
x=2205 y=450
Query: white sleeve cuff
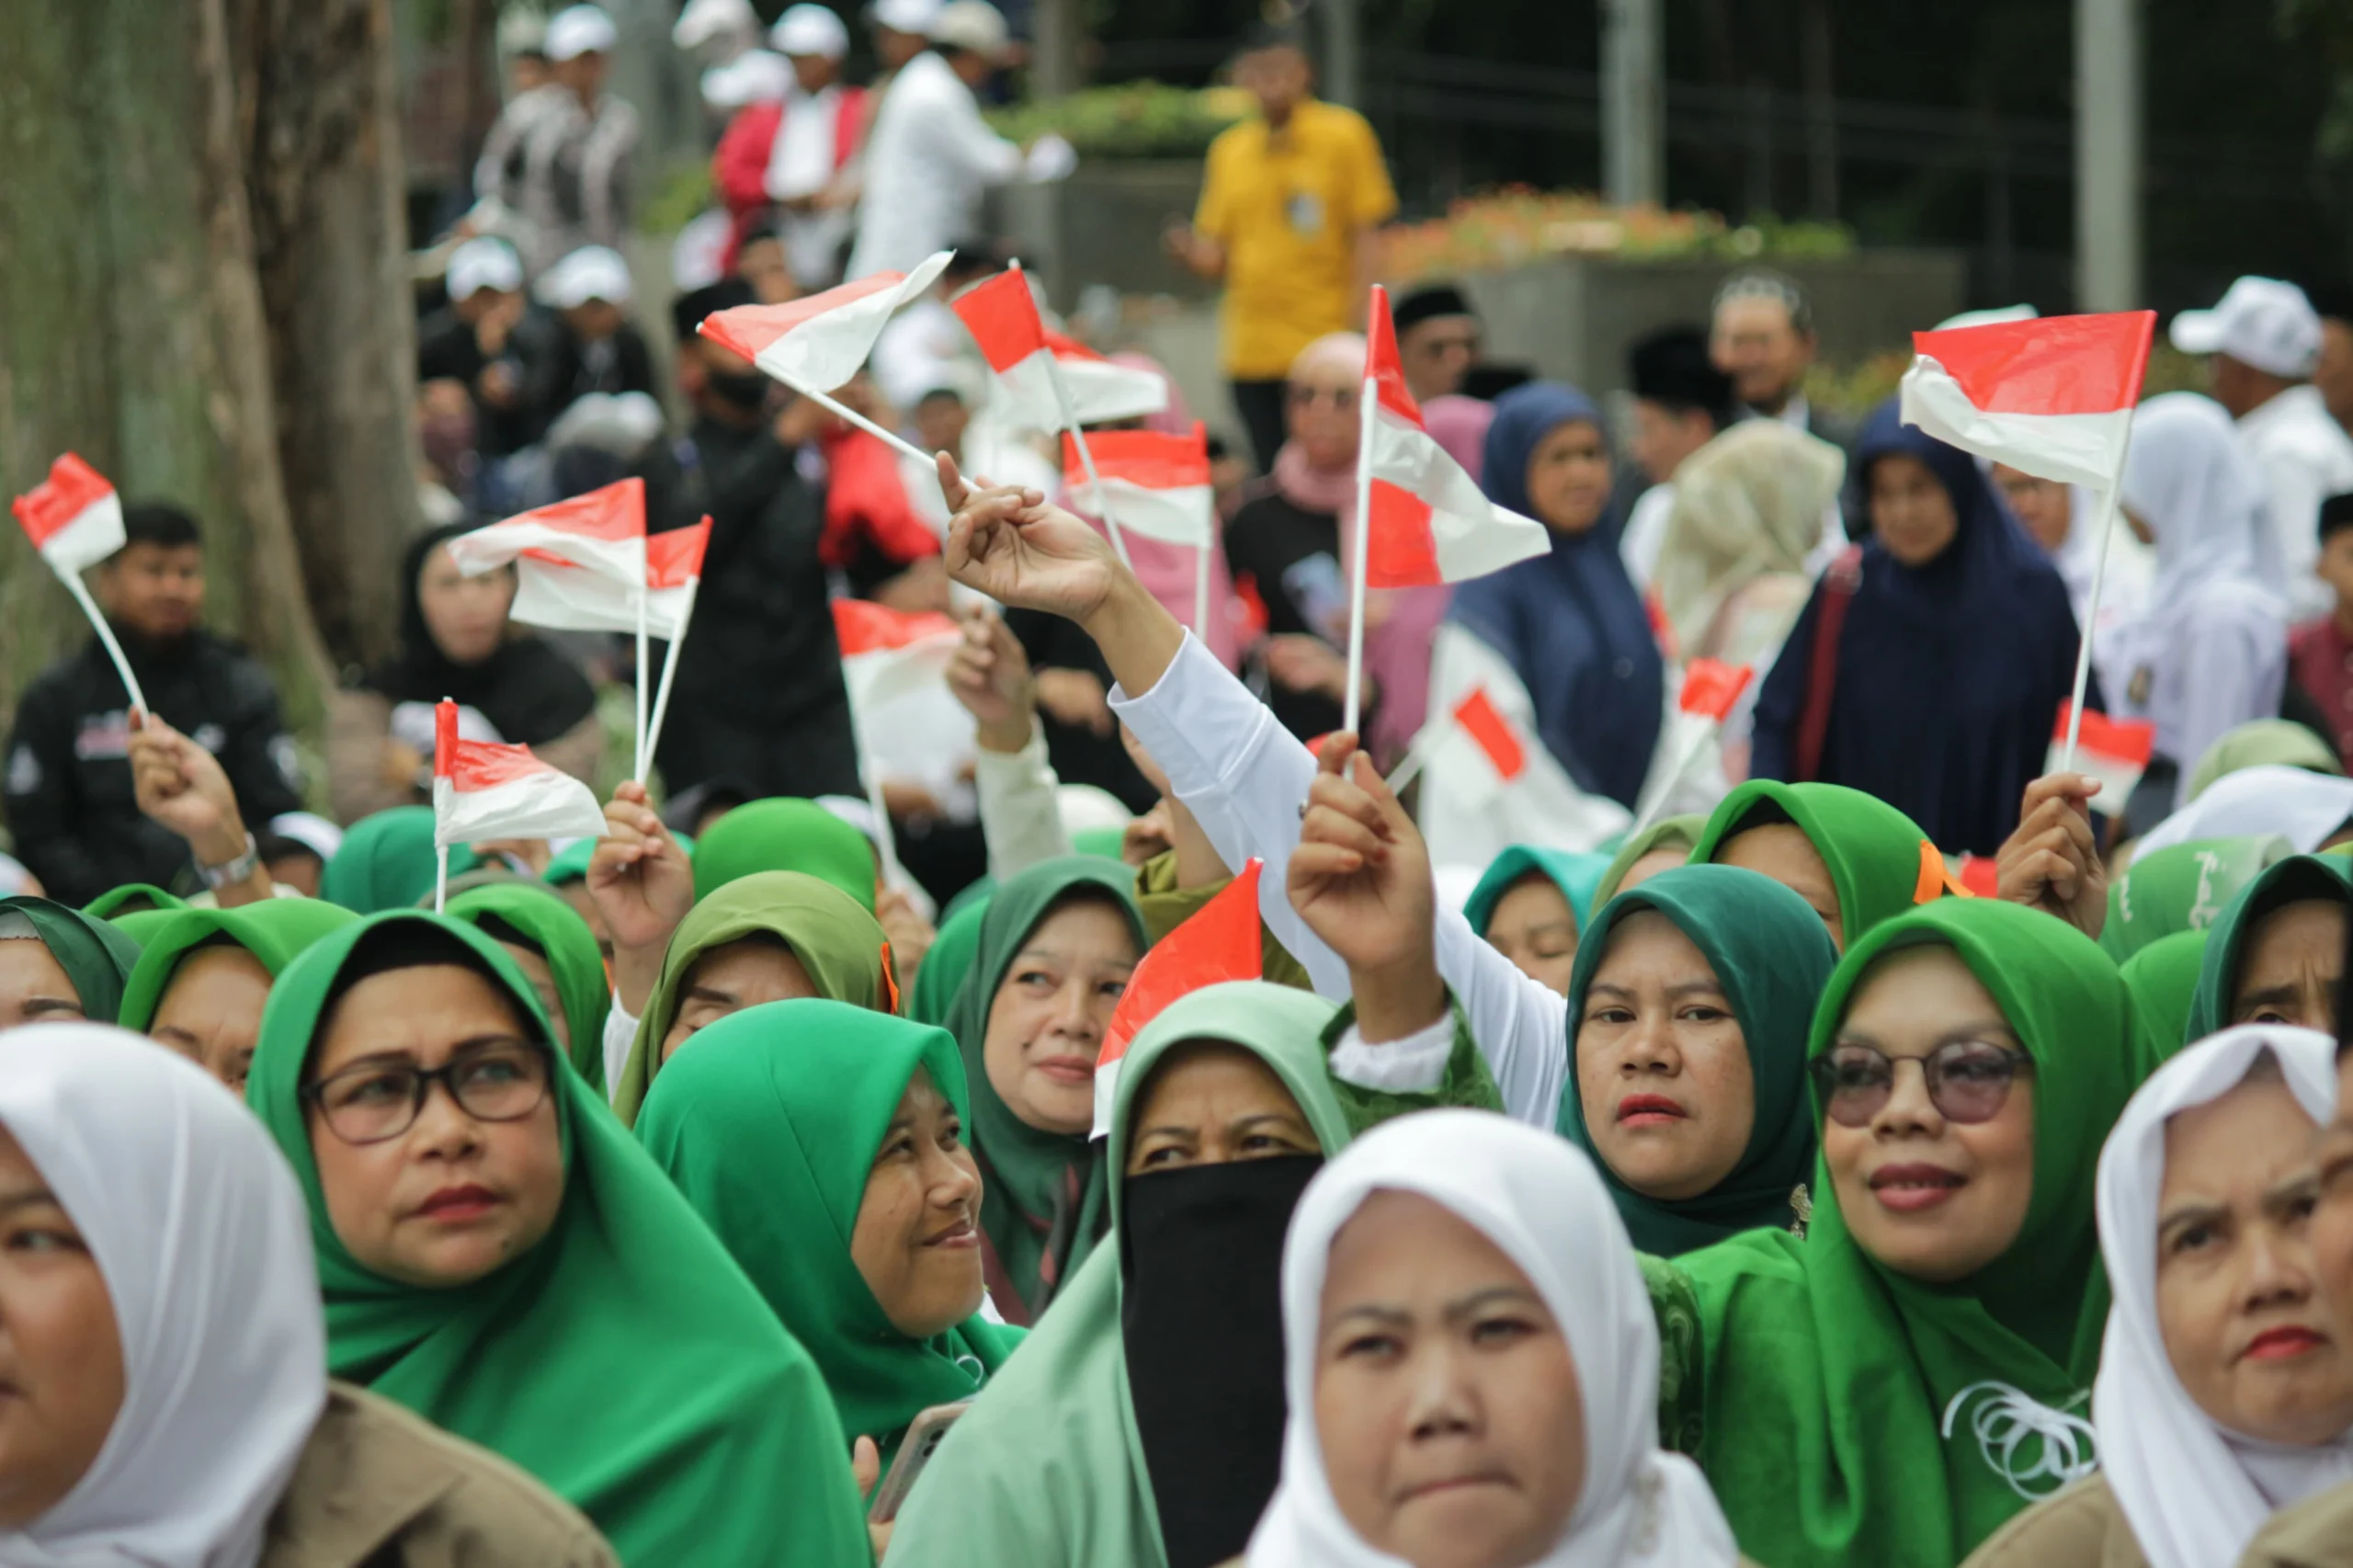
x=1415 y=1065
x=619 y=1030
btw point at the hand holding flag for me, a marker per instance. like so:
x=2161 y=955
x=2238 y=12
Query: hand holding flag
x=1159 y=486
x=1217 y=943
x=1360 y=880
x=75 y=518
x=482 y=789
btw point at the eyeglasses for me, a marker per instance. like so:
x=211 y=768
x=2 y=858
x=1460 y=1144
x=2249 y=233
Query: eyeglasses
x=376 y=1101
x=1968 y=1080
x=1341 y=398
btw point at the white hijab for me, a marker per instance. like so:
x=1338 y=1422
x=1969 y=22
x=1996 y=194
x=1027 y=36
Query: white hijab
x=2303 y=807
x=196 y=1224
x=2194 y=1493
x=1537 y=1197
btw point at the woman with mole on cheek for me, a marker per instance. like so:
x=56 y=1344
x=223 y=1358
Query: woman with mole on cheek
x=492 y=1245
x=2225 y=1383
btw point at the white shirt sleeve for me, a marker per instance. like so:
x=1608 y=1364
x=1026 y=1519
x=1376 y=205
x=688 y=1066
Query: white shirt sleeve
x=1415 y=1065
x=619 y=1030
x=1243 y=776
x=1018 y=815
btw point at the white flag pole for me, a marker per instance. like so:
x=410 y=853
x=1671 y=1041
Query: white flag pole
x=886 y=842
x=669 y=675
x=1366 y=394
x=1201 y=590
x=2108 y=509
x=835 y=406
x=440 y=877
x=1657 y=803
x=81 y=593
x=1417 y=755
x=1068 y=413
x=645 y=657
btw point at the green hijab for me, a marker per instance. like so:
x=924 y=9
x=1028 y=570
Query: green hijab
x=770 y=1127
x=2163 y=978
x=539 y=915
x=273 y=930
x=1667 y=833
x=2182 y=888
x=1577 y=876
x=1044 y=1207
x=1872 y=849
x=952 y=947
x=624 y=1361
x=2283 y=882
x=785 y=834
x=1048 y=1470
x=571 y=865
x=2259 y=742
x=104 y=907
x=387 y=861
x=95 y=955
x=836 y=941
x=1772 y=957
x=1832 y=1380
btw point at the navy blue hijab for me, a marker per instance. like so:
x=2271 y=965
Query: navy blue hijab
x=1949 y=675
x=1569 y=623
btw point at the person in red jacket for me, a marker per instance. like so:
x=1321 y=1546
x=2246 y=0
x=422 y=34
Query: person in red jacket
x=786 y=159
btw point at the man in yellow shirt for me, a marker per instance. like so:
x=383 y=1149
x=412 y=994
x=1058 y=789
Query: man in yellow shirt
x=1289 y=205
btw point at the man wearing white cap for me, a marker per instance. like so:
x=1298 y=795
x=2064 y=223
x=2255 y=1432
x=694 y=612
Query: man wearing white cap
x=554 y=170
x=600 y=352
x=791 y=156
x=932 y=156
x=2265 y=338
x=487 y=338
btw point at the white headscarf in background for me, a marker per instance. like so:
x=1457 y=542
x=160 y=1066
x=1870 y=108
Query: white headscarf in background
x=2194 y=1493
x=1747 y=505
x=1539 y=1199
x=195 y=1221
x=2303 y=807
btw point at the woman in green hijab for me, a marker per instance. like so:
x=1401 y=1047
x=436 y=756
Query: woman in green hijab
x=1687 y=1015
x=2276 y=952
x=57 y=962
x=823 y=1144
x=785 y=834
x=1854 y=857
x=1140 y=1426
x=497 y=1255
x=2260 y=743
x=944 y=967
x=557 y=953
x=201 y=982
x=1893 y=1385
x=771 y=936
x=132 y=898
x=2163 y=978
x=1532 y=905
x=2181 y=888
x=1056 y=947
x=387 y=861
x=1661 y=847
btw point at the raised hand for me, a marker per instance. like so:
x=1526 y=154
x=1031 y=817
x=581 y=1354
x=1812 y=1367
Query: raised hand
x=2050 y=861
x=181 y=785
x=990 y=675
x=1361 y=879
x=643 y=885
x=1006 y=542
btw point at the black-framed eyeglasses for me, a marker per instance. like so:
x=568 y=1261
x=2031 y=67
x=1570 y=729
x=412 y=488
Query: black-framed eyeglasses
x=1968 y=1080
x=375 y=1101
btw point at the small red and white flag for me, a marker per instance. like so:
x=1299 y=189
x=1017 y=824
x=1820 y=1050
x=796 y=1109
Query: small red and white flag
x=1002 y=316
x=1430 y=522
x=1711 y=687
x=2114 y=751
x=73 y=516
x=550 y=591
x=1484 y=722
x=602 y=531
x=483 y=790
x=1216 y=943
x=887 y=652
x=1102 y=389
x=818 y=342
x=2052 y=397
x=1158 y=484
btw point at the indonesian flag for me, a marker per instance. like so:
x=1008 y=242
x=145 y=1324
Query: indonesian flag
x=1217 y=942
x=2114 y=751
x=552 y=592
x=886 y=654
x=603 y=532
x=2052 y=397
x=1002 y=316
x=1711 y=687
x=483 y=790
x=818 y=342
x=1481 y=719
x=73 y=516
x=1103 y=390
x=1157 y=486
x=1979 y=876
x=1430 y=522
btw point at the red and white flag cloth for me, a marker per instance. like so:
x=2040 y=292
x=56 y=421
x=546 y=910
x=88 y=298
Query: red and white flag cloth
x=1485 y=723
x=887 y=653
x=1430 y=521
x=2114 y=751
x=483 y=790
x=818 y=342
x=1711 y=687
x=1002 y=316
x=1216 y=943
x=2052 y=397
x=1157 y=484
x=73 y=516
x=550 y=591
x=602 y=531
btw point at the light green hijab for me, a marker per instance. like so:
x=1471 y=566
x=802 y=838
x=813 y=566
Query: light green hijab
x=107 y=903
x=771 y=1126
x=95 y=955
x=785 y=834
x=1579 y=878
x=2297 y=877
x=2163 y=978
x=387 y=861
x=837 y=943
x=539 y=914
x=1667 y=833
x=1856 y=1417
x=2182 y=888
x=1874 y=851
x=2258 y=742
x=1048 y=1470
x=274 y=930
x=623 y=1360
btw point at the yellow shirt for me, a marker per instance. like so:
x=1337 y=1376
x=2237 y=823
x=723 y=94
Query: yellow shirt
x=1286 y=205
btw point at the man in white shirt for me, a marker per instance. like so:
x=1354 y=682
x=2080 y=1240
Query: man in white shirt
x=2265 y=338
x=553 y=173
x=816 y=139
x=1761 y=334
x=932 y=156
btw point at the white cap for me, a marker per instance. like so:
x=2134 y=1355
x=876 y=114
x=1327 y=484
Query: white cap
x=592 y=272
x=706 y=21
x=2000 y=315
x=904 y=15
x=2261 y=322
x=974 y=25
x=752 y=77
x=483 y=262
x=810 y=30
x=577 y=30
x=312 y=832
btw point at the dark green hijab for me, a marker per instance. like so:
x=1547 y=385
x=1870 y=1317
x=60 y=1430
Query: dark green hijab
x=2287 y=881
x=944 y=967
x=96 y=957
x=539 y=914
x=1772 y=957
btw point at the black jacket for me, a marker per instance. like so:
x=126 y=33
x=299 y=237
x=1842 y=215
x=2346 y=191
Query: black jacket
x=68 y=796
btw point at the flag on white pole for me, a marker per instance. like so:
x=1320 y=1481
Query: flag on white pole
x=1002 y=316
x=483 y=790
x=601 y=532
x=2114 y=751
x=887 y=654
x=2052 y=397
x=554 y=592
x=1217 y=943
x=816 y=343
x=75 y=518
x=1159 y=483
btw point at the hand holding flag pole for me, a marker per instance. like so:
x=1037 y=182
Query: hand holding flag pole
x=75 y=518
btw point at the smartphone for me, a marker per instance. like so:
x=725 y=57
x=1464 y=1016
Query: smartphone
x=924 y=1435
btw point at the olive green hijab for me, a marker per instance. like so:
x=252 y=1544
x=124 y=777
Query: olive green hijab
x=623 y=1360
x=2260 y=742
x=1048 y=1470
x=837 y=942
x=1667 y=833
x=1856 y=1416
x=2182 y=888
x=274 y=930
x=771 y=1126
x=388 y=861
x=1874 y=851
x=1045 y=1194
x=539 y=914
x=2284 y=882
x=785 y=834
x=1772 y=957
x=95 y=955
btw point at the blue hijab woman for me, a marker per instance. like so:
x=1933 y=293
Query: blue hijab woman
x=1956 y=647
x=1569 y=622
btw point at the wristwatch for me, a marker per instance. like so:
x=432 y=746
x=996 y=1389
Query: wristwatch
x=233 y=871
